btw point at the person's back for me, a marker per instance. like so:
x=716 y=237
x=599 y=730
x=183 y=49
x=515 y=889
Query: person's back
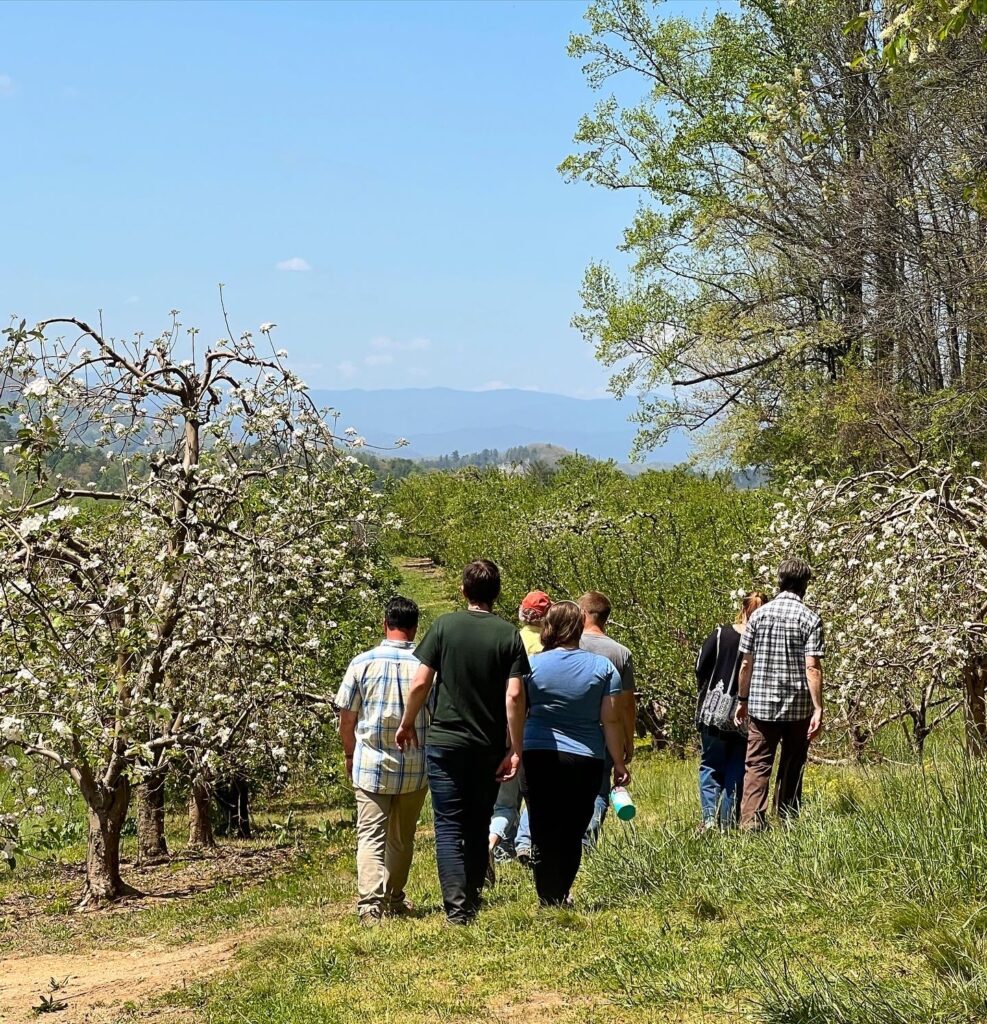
x=531 y=616
x=780 y=694
x=596 y=609
x=389 y=784
x=376 y=686
x=474 y=653
x=531 y=638
x=779 y=635
x=476 y=735
x=616 y=653
x=565 y=691
x=570 y=692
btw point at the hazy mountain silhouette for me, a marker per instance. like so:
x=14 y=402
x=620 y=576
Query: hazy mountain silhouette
x=438 y=421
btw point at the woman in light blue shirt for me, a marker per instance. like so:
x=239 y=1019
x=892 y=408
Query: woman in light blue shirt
x=572 y=720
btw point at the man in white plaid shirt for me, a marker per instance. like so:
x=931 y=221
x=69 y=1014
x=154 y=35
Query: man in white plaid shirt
x=780 y=695
x=390 y=785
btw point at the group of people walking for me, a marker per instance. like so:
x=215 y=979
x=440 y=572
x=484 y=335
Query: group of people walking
x=484 y=715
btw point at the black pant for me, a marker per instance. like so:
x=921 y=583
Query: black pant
x=464 y=787
x=560 y=790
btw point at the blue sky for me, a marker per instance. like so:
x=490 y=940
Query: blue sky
x=378 y=179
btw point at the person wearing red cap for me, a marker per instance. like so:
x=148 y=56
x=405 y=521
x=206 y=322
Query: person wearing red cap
x=509 y=832
x=532 y=612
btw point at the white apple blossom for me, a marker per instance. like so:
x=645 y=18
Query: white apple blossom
x=176 y=617
x=902 y=588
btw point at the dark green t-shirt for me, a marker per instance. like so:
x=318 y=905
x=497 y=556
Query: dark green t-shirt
x=474 y=653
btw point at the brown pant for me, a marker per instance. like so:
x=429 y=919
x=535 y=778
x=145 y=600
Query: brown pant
x=385 y=843
x=762 y=742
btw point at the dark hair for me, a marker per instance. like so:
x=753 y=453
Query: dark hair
x=595 y=606
x=401 y=613
x=794 y=575
x=481 y=582
x=563 y=625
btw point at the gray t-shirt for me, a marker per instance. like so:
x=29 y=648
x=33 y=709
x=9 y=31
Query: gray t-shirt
x=617 y=654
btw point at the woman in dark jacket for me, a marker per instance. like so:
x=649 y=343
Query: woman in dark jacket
x=723 y=751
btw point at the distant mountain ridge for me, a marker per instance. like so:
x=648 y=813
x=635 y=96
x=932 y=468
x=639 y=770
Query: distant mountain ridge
x=439 y=421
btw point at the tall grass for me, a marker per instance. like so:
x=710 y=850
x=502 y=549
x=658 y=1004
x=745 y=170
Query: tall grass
x=901 y=849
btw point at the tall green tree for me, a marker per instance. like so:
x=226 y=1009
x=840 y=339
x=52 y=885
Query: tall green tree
x=806 y=271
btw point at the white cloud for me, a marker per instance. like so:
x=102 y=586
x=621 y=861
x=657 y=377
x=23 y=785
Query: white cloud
x=379 y=359
x=383 y=344
x=347 y=369
x=7 y=87
x=295 y=263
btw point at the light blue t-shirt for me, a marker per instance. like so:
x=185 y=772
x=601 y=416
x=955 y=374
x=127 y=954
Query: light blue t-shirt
x=565 y=693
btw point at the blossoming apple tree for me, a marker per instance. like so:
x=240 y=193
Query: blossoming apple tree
x=184 y=609
x=900 y=579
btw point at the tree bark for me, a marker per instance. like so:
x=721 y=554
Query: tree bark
x=107 y=815
x=200 y=833
x=975 y=705
x=151 y=843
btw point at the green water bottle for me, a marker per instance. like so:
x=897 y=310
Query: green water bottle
x=622 y=804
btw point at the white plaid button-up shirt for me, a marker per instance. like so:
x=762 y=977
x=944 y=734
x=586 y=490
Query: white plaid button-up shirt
x=376 y=687
x=780 y=635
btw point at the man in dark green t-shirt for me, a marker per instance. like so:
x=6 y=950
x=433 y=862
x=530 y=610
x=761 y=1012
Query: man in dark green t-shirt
x=474 y=741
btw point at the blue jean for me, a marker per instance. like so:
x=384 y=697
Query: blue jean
x=721 y=776
x=522 y=841
x=504 y=822
x=463 y=785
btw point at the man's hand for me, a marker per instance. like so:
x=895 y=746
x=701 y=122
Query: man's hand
x=621 y=775
x=741 y=716
x=815 y=724
x=349 y=767
x=508 y=767
x=407 y=737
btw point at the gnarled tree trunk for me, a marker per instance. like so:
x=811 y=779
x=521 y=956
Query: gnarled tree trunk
x=200 y=833
x=151 y=843
x=107 y=814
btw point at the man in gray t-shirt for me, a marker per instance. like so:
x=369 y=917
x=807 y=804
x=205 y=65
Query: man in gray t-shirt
x=596 y=612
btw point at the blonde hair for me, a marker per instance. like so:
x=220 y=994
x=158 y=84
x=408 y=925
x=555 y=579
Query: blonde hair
x=749 y=605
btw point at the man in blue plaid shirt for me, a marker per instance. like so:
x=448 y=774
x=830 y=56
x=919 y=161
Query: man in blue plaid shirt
x=780 y=695
x=390 y=784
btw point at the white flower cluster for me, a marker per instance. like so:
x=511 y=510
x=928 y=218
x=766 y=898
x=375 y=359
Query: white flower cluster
x=900 y=578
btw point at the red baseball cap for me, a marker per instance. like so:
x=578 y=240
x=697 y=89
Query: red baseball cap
x=537 y=604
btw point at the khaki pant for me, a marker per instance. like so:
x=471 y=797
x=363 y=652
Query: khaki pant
x=763 y=741
x=385 y=834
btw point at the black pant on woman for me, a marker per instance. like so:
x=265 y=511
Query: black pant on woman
x=560 y=790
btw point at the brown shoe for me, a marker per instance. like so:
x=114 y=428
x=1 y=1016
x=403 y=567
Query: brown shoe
x=370 y=918
x=403 y=908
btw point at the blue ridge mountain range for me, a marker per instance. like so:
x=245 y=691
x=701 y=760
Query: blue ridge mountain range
x=439 y=421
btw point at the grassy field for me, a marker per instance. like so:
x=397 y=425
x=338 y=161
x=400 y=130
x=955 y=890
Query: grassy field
x=872 y=910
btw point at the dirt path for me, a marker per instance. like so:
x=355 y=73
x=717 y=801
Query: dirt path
x=95 y=985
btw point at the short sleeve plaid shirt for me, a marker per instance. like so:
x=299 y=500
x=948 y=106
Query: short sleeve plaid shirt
x=376 y=687
x=780 y=635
